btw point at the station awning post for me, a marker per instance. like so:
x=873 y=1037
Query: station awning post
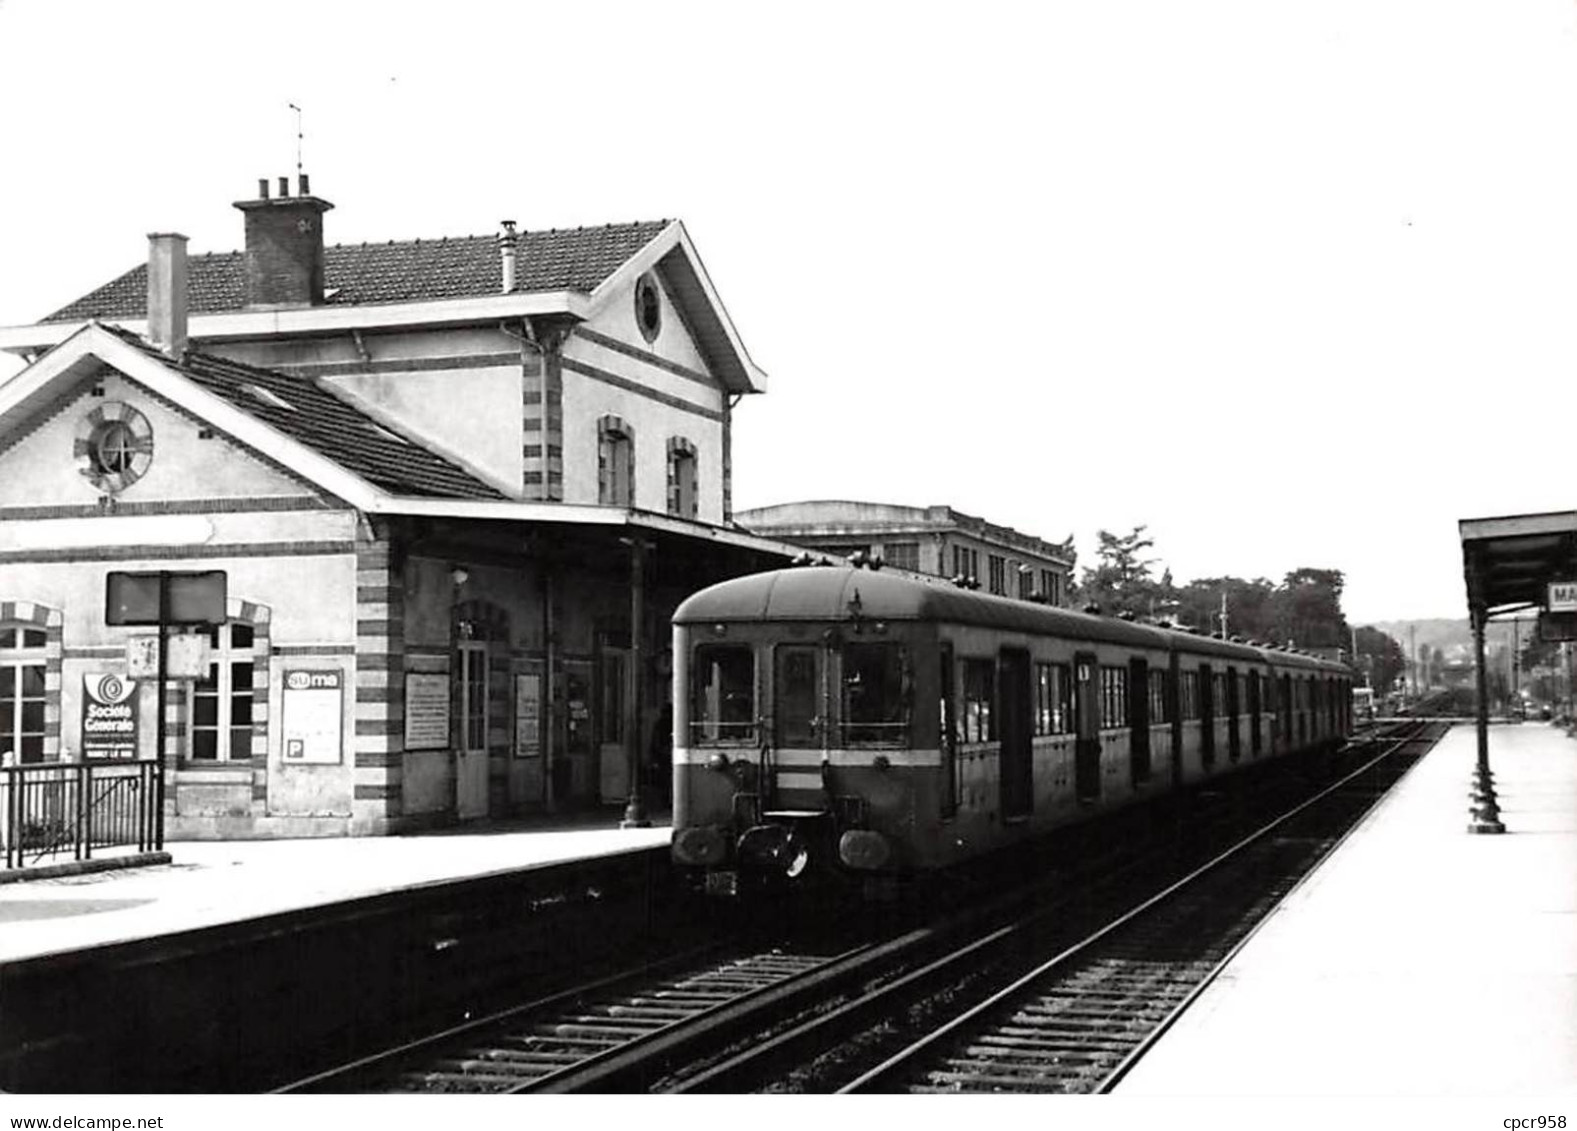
x=1486 y=809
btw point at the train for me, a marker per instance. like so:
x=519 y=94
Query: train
x=831 y=720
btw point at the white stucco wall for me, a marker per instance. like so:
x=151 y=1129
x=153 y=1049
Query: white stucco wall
x=41 y=470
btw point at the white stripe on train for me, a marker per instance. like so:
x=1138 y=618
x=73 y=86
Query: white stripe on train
x=700 y=756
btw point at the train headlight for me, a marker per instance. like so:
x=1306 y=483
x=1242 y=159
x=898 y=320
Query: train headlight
x=866 y=850
x=700 y=845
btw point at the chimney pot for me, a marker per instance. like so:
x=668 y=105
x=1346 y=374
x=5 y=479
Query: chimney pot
x=506 y=246
x=262 y=188
x=284 y=186
x=305 y=191
x=167 y=292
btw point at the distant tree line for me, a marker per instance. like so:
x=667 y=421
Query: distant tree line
x=1303 y=609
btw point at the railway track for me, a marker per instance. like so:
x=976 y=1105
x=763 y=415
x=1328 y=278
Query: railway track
x=1079 y=1021
x=758 y=1016
x=1074 y=1023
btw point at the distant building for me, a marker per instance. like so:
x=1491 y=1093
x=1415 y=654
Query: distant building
x=939 y=541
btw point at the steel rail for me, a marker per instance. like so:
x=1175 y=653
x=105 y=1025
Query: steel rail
x=912 y=1052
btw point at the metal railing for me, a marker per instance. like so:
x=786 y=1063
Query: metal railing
x=62 y=810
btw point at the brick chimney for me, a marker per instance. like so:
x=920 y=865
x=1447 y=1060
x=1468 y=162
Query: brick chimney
x=167 y=291
x=284 y=246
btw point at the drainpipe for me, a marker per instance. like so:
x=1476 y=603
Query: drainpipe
x=551 y=744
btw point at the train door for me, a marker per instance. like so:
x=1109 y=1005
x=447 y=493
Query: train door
x=1284 y=710
x=1207 y=716
x=1254 y=708
x=1016 y=694
x=796 y=699
x=1174 y=707
x=1087 y=721
x=1234 y=712
x=1138 y=720
x=947 y=707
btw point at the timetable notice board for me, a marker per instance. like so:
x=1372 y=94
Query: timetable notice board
x=313 y=724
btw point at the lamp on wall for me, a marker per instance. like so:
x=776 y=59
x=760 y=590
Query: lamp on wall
x=459 y=575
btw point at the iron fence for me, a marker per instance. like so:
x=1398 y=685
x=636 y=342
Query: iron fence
x=53 y=810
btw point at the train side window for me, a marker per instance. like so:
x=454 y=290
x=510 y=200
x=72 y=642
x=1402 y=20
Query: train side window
x=1053 y=699
x=1114 y=697
x=723 y=694
x=979 y=691
x=1158 y=698
x=876 y=694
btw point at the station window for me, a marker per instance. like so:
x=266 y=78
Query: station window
x=683 y=496
x=473 y=695
x=615 y=463
x=22 y=695
x=723 y=693
x=875 y=694
x=997 y=566
x=221 y=729
x=902 y=555
x=1050 y=589
x=612 y=699
x=979 y=689
x=966 y=562
x=1114 y=697
x=1158 y=698
x=1053 y=699
x=1026 y=582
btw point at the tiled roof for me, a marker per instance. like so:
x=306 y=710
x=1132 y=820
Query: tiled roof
x=572 y=259
x=302 y=410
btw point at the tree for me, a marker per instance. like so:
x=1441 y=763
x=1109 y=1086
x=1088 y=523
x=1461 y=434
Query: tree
x=1380 y=657
x=1248 y=605
x=1122 y=580
x=1309 y=609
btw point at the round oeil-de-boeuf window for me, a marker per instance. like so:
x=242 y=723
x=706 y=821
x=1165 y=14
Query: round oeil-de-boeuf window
x=648 y=307
x=114 y=446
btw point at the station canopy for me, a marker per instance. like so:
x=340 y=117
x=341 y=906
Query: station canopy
x=1509 y=562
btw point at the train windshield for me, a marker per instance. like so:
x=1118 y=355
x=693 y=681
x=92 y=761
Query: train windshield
x=875 y=694
x=723 y=698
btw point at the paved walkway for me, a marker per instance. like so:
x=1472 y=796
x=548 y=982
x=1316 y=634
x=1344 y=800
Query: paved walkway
x=212 y=882
x=1419 y=960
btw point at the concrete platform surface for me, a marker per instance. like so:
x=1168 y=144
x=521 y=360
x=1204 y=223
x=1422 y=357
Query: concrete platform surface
x=1419 y=960
x=212 y=882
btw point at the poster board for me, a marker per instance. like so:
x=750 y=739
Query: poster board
x=426 y=711
x=528 y=715
x=109 y=717
x=313 y=724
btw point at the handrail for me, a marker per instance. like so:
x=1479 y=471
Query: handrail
x=48 y=808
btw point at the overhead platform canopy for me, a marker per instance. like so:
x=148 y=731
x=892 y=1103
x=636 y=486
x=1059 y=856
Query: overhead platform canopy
x=1510 y=561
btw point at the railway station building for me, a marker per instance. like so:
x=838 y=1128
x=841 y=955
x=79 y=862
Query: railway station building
x=456 y=488
x=938 y=541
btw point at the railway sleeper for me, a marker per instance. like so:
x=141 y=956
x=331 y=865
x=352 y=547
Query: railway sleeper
x=976 y=1081
x=993 y=1043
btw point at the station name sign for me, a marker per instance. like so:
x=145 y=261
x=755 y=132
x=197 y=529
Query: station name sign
x=1562 y=597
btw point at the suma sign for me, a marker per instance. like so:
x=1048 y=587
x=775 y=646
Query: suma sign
x=1562 y=597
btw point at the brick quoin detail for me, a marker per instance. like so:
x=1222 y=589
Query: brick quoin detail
x=378 y=744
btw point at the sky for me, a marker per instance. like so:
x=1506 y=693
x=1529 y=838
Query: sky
x=1291 y=284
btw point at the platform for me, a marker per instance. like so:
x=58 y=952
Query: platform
x=208 y=883
x=1419 y=960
